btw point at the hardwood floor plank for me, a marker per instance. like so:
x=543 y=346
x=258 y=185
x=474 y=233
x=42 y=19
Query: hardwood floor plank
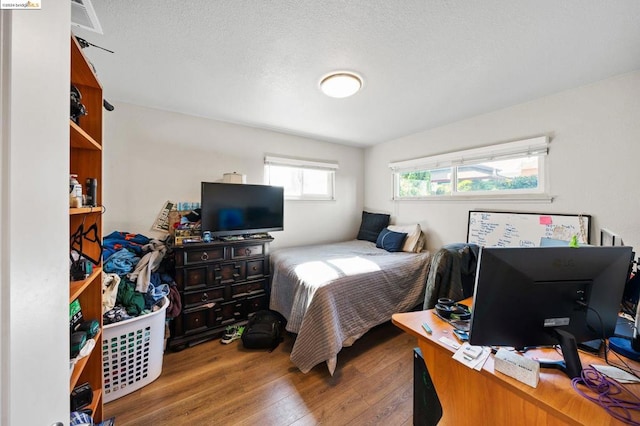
x=338 y=409
x=379 y=384
x=394 y=409
x=214 y=384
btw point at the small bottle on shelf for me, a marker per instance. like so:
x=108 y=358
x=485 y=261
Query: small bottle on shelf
x=75 y=191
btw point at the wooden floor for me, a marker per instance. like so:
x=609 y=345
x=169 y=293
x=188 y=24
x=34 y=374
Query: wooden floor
x=215 y=384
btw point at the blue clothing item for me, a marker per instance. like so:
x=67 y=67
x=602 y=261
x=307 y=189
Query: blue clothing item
x=121 y=262
x=80 y=418
x=166 y=278
x=155 y=278
x=118 y=240
x=154 y=294
x=159 y=287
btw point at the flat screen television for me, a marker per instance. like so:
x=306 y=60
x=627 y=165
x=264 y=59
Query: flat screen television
x=240 y=209
x=539 y=296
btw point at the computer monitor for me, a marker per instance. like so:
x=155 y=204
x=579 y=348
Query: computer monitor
x=538 y=296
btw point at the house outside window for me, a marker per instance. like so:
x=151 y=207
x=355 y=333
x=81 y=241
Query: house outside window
x=513 y=169
x=302 y=179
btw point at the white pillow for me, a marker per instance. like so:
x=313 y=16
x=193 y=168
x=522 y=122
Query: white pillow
x=421 y=245
x=414 y=241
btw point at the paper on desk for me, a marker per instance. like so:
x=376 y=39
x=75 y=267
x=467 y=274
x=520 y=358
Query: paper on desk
x=476 y=363
x=615 y=373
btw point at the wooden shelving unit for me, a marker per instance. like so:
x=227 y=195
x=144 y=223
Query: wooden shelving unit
x=85 y=154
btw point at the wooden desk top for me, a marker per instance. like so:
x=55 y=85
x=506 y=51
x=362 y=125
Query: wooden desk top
x=554 y=393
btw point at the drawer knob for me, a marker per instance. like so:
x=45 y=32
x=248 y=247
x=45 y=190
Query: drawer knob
x=255 y=268
x=204 y=256
x=204 y=297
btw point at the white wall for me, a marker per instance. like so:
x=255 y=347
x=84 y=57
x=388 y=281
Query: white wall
x=593 y=162
x=34 y=215
x=151 y=156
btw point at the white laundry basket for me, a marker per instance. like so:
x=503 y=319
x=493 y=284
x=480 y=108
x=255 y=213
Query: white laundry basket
x=132 y=353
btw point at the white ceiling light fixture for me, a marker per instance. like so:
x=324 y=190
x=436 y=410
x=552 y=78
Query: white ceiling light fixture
x=341 y=84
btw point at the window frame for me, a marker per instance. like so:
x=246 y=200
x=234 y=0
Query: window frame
x=304 y=164
x=536 y=146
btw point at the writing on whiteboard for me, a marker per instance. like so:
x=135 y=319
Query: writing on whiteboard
x=500 y=229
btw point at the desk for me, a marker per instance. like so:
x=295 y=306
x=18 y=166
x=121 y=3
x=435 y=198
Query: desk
x=488 y=398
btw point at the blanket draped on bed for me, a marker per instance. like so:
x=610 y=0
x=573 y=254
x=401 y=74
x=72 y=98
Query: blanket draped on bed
x=331 y=294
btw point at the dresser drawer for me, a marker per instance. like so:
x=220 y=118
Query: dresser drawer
x=256 y=303
x=209 y=254
x=196 y=298
x=255 y=269
x=245 y=289
x=230 y=312
x=227 y=273
x=202 y=276
x=200 y=318
x=244 y=252
x=194 y=277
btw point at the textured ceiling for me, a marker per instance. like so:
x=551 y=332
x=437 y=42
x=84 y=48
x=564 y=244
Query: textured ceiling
x=425 y=63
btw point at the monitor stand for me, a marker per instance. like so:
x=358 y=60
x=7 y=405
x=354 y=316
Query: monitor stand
x=592 y=346
x=571 y=364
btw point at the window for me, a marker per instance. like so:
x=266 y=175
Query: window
x=506 y=170
x=301 y=179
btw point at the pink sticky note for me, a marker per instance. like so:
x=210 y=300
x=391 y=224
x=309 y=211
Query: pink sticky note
x=545 y=220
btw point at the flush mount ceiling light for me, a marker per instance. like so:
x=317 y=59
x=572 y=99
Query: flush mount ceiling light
x=341 y=84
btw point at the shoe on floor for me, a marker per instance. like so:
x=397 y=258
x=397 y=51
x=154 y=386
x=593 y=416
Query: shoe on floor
x=232 y=333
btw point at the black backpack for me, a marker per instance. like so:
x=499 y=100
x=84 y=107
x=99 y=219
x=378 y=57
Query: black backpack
x=263 y=330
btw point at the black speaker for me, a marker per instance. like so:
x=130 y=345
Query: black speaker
x=427 y=409
x=92 y=191
x=81 y=396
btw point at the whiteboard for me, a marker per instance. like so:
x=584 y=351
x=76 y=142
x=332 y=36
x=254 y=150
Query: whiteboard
x=513 y=229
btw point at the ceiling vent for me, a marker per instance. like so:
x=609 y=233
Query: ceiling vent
x=84 y=16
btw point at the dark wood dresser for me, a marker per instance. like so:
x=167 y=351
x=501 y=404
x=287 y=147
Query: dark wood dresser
x=220 y=284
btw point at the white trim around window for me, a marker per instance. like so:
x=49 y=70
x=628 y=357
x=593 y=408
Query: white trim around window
x=493 y=172
x=302 y=179
x=296 y=162
x=533 y=146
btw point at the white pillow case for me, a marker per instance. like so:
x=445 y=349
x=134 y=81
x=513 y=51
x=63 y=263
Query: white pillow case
x=415 y=240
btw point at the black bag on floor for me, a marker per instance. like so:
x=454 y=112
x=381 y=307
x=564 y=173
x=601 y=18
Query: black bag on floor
x=264 y=330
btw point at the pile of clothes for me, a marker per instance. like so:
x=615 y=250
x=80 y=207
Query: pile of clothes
x=132 y=284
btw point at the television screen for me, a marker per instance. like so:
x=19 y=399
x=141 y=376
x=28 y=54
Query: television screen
x=237 y=209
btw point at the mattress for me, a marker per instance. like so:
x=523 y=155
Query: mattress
x=331 y=294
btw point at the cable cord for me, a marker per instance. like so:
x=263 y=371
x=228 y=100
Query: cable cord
x=615 y=398
x=627 y=368
x=624 y=367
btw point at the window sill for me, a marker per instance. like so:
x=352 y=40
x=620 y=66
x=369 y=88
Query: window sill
x=517 y=198
x=308 y=199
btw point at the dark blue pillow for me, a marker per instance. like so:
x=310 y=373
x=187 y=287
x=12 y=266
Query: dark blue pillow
x=372 y=224
x=390 y=241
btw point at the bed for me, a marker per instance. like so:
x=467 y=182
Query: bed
x=331 y=294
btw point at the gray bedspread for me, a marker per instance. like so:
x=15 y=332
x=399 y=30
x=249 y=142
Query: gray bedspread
x=331 y=294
